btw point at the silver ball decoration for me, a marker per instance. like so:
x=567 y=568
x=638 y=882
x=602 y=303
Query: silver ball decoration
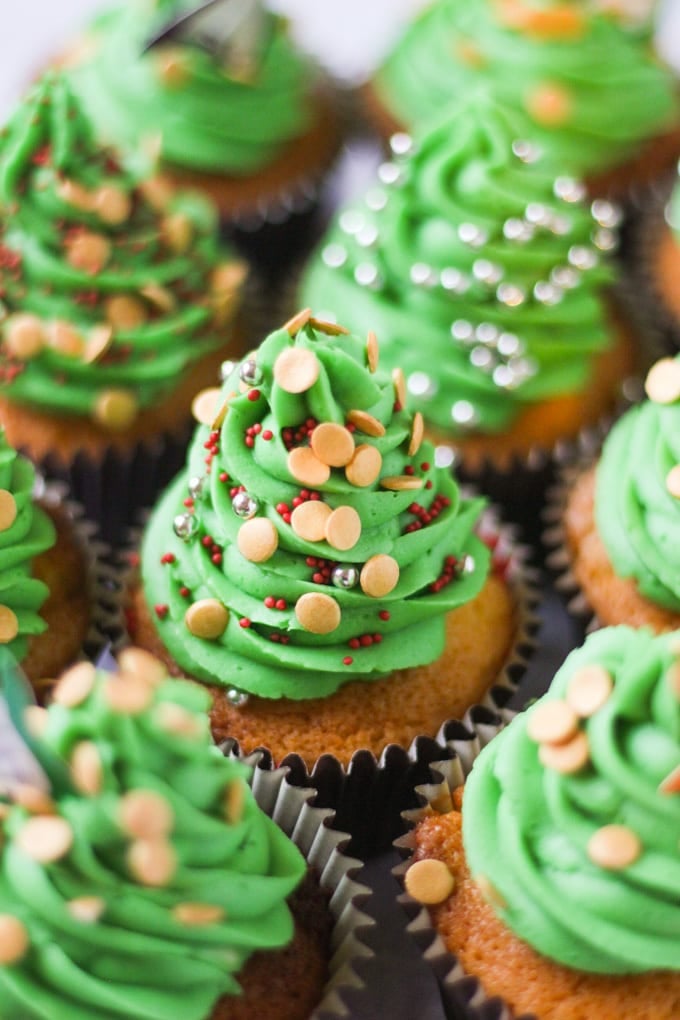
x=582 y=258
x=352 y=221
x=604 y=239
x=454 y=281
x=226 y=368
x=517 y=230
x=538 y=215
x=422 y=275
x=547 y=293
x=463 y=331
x=487 y=272
x=236 y=698
x=565 y=276
x=196 y=486
x=334 y=256
x=466 y=564
x=510 y=295
x=376 y=199
x=185 y=526
x=244 y=505
x=420 y=384
x=345 y=577
x=389 y=174
x=250 y=372
x=525 y=151
x=471 y=234
x=569 y=189
x=483 y=359
x=401 y=144
x=367 y=275
x=606 y=214
x=464 y=414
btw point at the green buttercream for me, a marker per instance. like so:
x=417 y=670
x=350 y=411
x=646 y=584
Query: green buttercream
x=637 y=518
x=209 y=121
x=411 y=259
x=30 y=534
x=620 y=94
x=137 y=961
x=274 y=656
x=48 y=145
x=526 y=827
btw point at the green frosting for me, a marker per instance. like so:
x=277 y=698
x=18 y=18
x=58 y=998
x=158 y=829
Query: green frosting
x=474 y=255
x=636 y=516
x=427 y=531
x=140 y=960
x=209 y=119
x=30 y=533
x=527 y=827
x=618 y=94
x=60 y=190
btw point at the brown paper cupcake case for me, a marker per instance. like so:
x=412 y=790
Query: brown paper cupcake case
x=462 y=995
x=369 y=795
x=323 y=846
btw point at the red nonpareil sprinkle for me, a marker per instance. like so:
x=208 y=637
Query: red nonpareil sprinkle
x=207 y=541
x=270 y=601
x=267 y=434
x=409 y=469
x=244 y=622
x=281 y=604
x=298 y=501
x=168 y=557
x=257 y=428
x=282 y=508
x=425 y=466
x=254 y=395
x=275 y=637
x=350 y=426
x=377 y=638
x=161 y=611
x=41 y=156
x=286 y=518
x=188 y=502
x=318 y=578
x=304 y=494
x=311 y=561
x=354 y=643
x=216 y=558
x=384 y=614
x=366 y=640
x=184 y=592
x=348 y=660
x=428 y=483
x=223 y=476
x=396 y=407
x=249 y=441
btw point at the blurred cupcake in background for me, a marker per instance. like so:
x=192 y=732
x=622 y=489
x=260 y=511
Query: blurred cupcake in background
x=486 y=278
x=317 y=570
x=119 y=302
x=574 y=803
x=237 y=110
x=599 y=100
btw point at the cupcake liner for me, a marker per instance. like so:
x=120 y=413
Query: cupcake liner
x=310 y=829
x=369 y=794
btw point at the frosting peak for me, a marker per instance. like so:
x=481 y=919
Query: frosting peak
x=576 y=803
x=322 y=544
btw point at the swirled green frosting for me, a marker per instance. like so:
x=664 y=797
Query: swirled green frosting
x=426 y=531
x=636 y=514
x=615 y=92
x=208 y=119
x=113 y=271
x=527 y=827
x=140 y=955
x=30 y=533
x=477 y=265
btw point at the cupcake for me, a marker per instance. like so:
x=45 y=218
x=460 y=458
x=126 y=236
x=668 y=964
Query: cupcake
x=598 y=98
x=314 y=567
x=238 y=111
x=139 y=876
x=620 y=518
x=484 y=277
x=45 y=608
x=118 y=302
x=555 y=885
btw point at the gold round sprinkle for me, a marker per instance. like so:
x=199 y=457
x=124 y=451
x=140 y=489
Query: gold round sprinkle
x=234 y=801
x=86 y=768
x=305 y=467
x=172 y=67
x=46 y=838
x=152 y=861
x=343 y=528
x=160 y=297
x=333 y=444
x=429 y=881
x=566 y=758
x=88 y=252
x=365 y=466
x=145 y=814
x=112 y=204
x=588 y=689
x=366 y=423
x=75 y=685
x=379 y=575
x=178 y=231
x=8 y=509
x=115 y=409
x=257 y=539
x=174 y=719
x=399 y=386
x=14 y=940
x=294 y=325
x=207 y=619
x=75 y=194
x=205 y=405
x=125 y=312
x=317 y=613
x=552 y=722
x=127 y=695
x=158 y=191
x=673 y=679
x=197 y=913
x=329 y=328
x=550 y=104
x=662 y=384
x=673 y=481
x=671 y=784
x=98 y=342
x=65 y=340
x=372 y=352
x=399 y=483
x=614 y=847
x=24 y=336
x=227 y=278
x=308 y=520
x=490 y=893
x=86 y=909
x=417 y=432
x=32 y=799
x=143 y=665
x=9 y=625
x=296 y=369
x=35 y=720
